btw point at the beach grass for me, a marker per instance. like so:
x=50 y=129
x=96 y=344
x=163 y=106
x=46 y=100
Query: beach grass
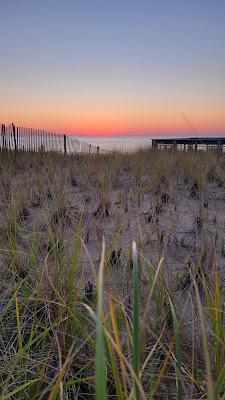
x=112 y=275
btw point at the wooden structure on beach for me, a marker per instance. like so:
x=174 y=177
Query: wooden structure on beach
x=16 y=138
x=185 y=143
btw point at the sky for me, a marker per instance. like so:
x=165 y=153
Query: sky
x=109 y=67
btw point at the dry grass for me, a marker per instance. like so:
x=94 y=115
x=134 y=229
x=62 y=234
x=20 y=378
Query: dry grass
x=54 y=213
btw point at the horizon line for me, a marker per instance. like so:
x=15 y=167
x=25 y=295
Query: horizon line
x=170 y=133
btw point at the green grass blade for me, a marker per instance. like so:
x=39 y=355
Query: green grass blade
x=136 y=327
x=180 y=391
x=100 y=368
x=220 y=384
x=72 y=284
x=19 y=389
x=211 y=393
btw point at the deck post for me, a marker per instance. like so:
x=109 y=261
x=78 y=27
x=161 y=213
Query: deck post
x=154 y=144
x=219 y=147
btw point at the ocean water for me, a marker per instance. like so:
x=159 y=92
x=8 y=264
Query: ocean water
x=122 y=143
x=34 y=140
x=129 y=143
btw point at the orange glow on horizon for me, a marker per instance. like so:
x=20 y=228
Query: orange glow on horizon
x=120 y=128
x=126 y=118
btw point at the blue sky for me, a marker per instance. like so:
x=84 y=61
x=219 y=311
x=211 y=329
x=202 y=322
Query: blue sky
x=113 y=66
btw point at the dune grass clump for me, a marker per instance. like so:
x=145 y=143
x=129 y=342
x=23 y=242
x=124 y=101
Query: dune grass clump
x=112 y=275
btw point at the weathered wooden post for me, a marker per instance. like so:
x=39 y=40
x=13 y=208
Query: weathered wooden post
x=2 y=133
x=9 y=134
x=3 y=137
x=154 y=144
x=17 y=137
x=65 y=151
x=219 y=147
x=14 y=137
x=1 y=142
x=196 y=145
x=97 y=149
x=89 y=151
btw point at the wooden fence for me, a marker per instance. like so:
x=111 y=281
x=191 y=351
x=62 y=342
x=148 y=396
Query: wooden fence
x=27 y=139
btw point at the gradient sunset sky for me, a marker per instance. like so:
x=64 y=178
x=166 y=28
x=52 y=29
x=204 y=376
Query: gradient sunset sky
x=113 y=67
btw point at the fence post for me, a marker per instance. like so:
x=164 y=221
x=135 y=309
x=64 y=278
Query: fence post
x=65 y=144
x=1 y=141
x=3 y=137
x=14 y=137
x=97 y=149
x=17 y=138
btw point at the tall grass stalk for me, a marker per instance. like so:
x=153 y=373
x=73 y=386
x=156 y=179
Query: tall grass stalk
x=72 y=283
x=100 y=366
x=118 y=343
x=18 y=322
x=136 y=322
x=211 y=393
x=180 y=391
